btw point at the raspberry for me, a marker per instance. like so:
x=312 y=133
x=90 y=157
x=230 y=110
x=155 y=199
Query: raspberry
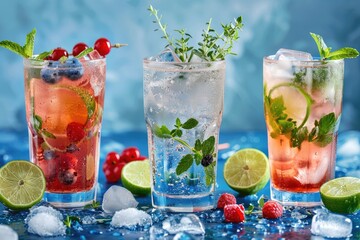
x=226 y=199
x=234 y=213
x=272 y=210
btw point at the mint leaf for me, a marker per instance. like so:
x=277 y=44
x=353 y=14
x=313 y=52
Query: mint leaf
x=250 y=209
x=189 y=124
x=323 y=49
x=85 y=52
x=298 y=136
x=12 y=46
x=184 y=164
x=176 y=133
x=261 y=201
x=210 y=174
x=48 y=134
x=29 y=43
x=326 y=54
x=208 y=146
x=324 y=140
x=43 y=55
x=162 y=132
x=198 y=145
x=37 y=121
x=93 y=205
x=343 y=53
x=277 y=108
x=327 y=124
x=178 y=123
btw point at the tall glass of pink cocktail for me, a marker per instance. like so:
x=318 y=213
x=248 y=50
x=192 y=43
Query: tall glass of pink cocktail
x=302 y=100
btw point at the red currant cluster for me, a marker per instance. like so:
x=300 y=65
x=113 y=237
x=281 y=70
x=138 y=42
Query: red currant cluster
x=102 y=45
x=115 y=162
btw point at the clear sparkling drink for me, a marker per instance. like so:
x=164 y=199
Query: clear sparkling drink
x=183 y=105
x=64 y=107
x=302 y=101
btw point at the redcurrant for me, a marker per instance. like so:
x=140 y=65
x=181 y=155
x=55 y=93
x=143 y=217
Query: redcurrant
x=113 y=170
x=78 y=48
x=103 y=46
x=58 y=53
x=130 y=154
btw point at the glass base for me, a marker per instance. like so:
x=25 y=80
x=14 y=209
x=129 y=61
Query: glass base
x=296 y=199
x=183 y=203
x=71 y=200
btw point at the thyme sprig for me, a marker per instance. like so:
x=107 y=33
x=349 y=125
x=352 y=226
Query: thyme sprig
x=214 y=46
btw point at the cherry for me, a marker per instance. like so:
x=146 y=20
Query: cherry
x=78 y=48
x=75 y=131
x=58 y=53
x=103 y=46
x=130 y=154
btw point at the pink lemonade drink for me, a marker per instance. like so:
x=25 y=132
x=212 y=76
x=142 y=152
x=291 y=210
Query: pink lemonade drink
x=64 y=104
x=302 y=101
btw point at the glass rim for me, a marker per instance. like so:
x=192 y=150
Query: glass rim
x=184 y=66
x=316 y=60
x=41 y=63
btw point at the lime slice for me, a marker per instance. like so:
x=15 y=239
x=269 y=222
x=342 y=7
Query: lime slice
x=135 y=176
x=341 y=195
x=247 y=171
x=22 y=184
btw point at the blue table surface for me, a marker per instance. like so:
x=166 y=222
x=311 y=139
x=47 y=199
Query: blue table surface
x=14 y=145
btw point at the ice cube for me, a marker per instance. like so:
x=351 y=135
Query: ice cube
x=168 y=55
x=94 y=55
x=189 y=223
x=52 y=226
x=183 y=236
x=331 y=225
x=130 y=217
x=117 y=198
x=292 y=55
x=350 y=147
x=8 y=233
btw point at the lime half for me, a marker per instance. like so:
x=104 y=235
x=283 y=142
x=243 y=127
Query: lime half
x=341 y=195
x=247 y=171
x=135 y=176
x=22 y=184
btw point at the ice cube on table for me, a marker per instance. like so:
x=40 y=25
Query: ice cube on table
x=292 y=55
x=331 y=225
x=45 y=222
x=168 y=55
x=117 y=198
x=7 y=233
x=131 y=217
x=189 y=223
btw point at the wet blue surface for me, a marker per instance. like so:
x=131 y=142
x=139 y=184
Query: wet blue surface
x=295 y=224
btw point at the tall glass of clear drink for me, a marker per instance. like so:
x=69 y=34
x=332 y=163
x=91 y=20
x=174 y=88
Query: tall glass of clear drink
x=64 y=105
x=302 y=100
x=183 y=105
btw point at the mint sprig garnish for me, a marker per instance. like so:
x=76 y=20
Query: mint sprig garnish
x=209 y=49
x=26 y=50
x=201 y=153
x=325 y=51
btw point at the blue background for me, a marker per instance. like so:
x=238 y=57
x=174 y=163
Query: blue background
x=269 y=25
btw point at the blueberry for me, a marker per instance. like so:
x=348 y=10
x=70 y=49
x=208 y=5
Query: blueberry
x=74 y=69
x=207 y=160
x=50 y=75
x=68 y=177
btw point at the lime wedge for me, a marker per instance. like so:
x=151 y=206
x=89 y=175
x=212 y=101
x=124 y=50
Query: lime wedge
x=22 y=184
x=341 y=195
x=247 y=171
x=135 y=176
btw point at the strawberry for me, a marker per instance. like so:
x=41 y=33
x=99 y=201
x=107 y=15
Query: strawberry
x=234 y=213
x=225 y=199
x=272 y=210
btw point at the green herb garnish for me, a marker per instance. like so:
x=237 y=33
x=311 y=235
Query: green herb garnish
x=325 y=51
x=93 y=205
x=208 y=49
x=68 y=221
x=201 y=153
